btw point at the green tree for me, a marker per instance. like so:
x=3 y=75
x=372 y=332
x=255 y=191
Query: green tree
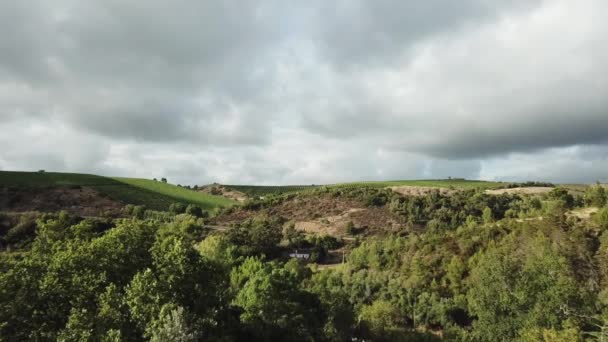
x=274 y=306
x=178 y=275
x=511 y=291
x=380 y=317
x=172 y=325
x=257 y=236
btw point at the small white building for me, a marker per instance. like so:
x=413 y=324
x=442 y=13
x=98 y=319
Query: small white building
x=300 y=255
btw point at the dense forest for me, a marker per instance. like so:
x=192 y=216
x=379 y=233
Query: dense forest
x=466 y=266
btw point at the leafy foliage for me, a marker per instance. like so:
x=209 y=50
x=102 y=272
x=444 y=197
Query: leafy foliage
x=477 y=267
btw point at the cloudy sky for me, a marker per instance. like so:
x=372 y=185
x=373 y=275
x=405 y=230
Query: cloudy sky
x=300 y=92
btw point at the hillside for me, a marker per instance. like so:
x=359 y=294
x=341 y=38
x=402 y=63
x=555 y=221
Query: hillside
x=356 y=262
x=268 y=190
x=42 y=190
x=373 y=261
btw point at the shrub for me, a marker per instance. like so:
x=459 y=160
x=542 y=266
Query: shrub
x=562 y=195
x=177 y=208
x=196 y=211
x=596 y=195
x=602 y=218
x=139 y=211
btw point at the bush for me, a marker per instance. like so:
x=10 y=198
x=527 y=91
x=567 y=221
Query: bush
x=596 y=195
x=562 y=195
x=602 y=218
x=22 y=232
x=128 y=209
x=139 y=211
x=177 y=208
x=196 y=211
x=377 y=200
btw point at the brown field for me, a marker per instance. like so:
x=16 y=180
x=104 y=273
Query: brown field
x=321 y=215
x=83 y=201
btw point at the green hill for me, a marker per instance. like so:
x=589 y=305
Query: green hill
x=176 y=193
x=152 y=194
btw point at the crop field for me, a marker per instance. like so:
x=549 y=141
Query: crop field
x=262 y=190
x=152 y=194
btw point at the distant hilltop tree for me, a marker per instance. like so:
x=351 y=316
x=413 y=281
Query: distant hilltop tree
x=154 y=179
x=41 y=171
x=164 y=180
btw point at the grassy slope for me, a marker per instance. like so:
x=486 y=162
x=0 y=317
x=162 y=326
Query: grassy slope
x=178 y=194
x=265 y=190
x=154 y=195
x=39 y=179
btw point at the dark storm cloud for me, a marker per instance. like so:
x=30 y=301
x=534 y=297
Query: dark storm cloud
x=548 y=129
x=375 y=32
x=148 y=70
x=521 y=83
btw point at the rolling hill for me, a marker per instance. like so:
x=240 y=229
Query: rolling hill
x=152 y=194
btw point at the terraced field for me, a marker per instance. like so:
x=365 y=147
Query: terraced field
x=152 y=194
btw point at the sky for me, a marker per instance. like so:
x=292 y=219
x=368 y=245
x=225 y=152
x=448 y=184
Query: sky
x=306 y=92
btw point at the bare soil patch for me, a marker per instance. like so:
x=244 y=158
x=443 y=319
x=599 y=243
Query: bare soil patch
x=584 y=213
x=220 y=190
x=533 y=190
x=321 y=214
x=83 y=201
